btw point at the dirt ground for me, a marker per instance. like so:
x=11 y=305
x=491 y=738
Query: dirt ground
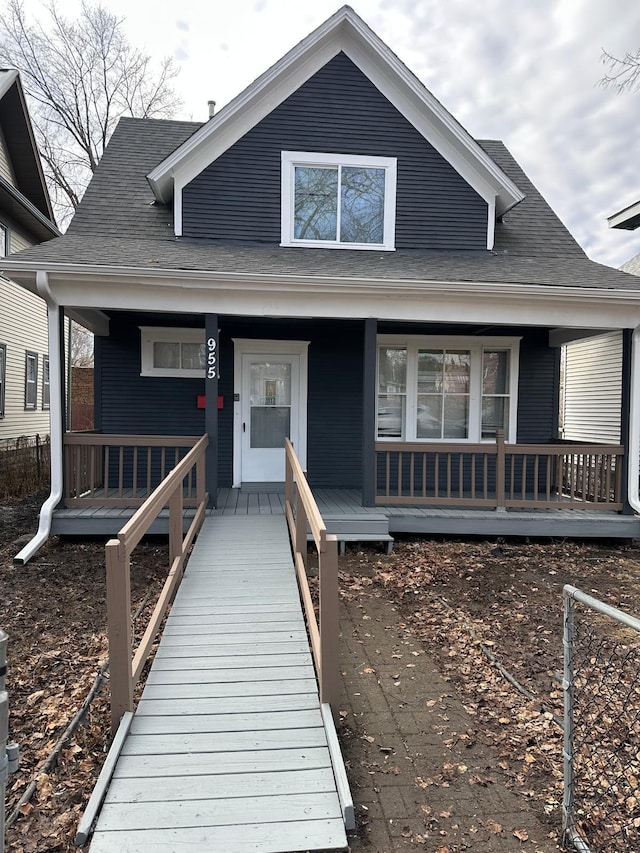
x=443 y=597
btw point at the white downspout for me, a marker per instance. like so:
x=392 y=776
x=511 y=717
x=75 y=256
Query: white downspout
x=56 y=420
x=634 y=424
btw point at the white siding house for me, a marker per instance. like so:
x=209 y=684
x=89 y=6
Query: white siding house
x=26 y=218
x=593 y=389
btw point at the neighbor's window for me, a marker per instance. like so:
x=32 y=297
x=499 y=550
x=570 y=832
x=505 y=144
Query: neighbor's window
x=4 y=242
x=455 y=389
x=30 y=380
x=338 y=200
x=3 y=374
x=46 y=387
x=172 y=352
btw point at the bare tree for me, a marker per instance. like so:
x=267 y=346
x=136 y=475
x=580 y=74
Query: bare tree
x=80 y=76
x=624 y=73
x=81 y=346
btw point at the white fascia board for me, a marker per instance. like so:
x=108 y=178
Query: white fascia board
x=488 y=302
x=619 y=220
x=344 y=31
x=7 y=79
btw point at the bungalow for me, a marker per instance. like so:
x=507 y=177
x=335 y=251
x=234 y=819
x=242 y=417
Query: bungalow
x=332 y=258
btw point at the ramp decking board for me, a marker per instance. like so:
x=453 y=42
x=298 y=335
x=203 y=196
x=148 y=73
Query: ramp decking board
x=227 y=749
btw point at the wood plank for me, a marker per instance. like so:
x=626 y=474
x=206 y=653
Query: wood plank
x=225 y=705
x=258 y=721
x=222 y=786
x=257 y=761
x=204 y=676
x=211 y=742
x=254 y=838
x=239 y=689
x=243 y=645
x=232 y=812
x=242 y=629
x=231 y=663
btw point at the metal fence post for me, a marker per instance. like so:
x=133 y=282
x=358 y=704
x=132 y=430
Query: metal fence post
x=567 y=686
x=4 y=727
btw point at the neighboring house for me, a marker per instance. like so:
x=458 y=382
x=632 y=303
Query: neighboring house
x=592 y=393
x=333 y=258
x=26 y=218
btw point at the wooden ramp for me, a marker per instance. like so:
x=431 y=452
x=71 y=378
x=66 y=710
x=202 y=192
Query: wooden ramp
x=227 y=750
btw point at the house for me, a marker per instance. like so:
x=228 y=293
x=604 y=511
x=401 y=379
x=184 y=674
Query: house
x=333 y=258
x=26 y=219
x=592 y=386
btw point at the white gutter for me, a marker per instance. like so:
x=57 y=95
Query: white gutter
x=634 y=424
x=55 y=415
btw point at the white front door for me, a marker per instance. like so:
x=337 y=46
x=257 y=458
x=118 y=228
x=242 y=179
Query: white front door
x=271 y=378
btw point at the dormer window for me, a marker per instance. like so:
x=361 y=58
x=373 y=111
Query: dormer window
x=338 y=201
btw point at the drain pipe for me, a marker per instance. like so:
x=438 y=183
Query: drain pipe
x=634 y=424
x=56 y=420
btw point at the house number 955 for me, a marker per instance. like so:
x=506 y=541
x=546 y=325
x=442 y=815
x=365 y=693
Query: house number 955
x=212 y=361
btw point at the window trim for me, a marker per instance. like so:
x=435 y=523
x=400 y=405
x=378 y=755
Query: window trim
x=477 y=346
x=149 y=335
x=291 y=159
x=3 y=379
x=30 y=407
x=4 y=238
x=46 y=398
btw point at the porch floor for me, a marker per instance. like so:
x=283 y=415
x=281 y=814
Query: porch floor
x=345 y=516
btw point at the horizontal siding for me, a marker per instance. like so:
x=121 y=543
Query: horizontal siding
x=538 y=381
x=17 y=241
x=6 y=169
x=23 y=326
x=593 y=389
x=339 y=111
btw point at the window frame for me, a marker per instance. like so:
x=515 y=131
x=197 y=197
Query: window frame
x=476 y=346
x=4 y=241
x=46 y=384
x=291 y=159
x=149 y=335
x=3 y=379
x=29 y=405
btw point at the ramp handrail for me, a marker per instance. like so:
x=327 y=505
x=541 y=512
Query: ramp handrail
x=125 y=672
x=301 y=510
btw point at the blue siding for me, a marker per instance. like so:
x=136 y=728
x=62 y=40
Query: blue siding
x=338 y=110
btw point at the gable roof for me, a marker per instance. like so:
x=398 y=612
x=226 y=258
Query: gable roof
x=343 y=32
x=28 y=201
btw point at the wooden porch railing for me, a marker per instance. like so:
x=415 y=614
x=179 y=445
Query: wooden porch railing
x=125 y=671
x=122 y=470
x=500 y=475
x=302 y=512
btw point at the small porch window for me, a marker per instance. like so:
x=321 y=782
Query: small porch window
x=172 y=352
x=439 y=389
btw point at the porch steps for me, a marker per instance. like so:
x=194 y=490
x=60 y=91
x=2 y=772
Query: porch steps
x=358 y=527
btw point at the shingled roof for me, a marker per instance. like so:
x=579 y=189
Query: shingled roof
x=119 y=224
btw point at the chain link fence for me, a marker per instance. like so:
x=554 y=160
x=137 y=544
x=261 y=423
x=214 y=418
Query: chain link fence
x=601 y=808
x=24 y=465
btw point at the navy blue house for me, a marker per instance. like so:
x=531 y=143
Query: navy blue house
x=334 y=259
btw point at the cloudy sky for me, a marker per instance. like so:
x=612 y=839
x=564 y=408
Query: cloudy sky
x=524 y=71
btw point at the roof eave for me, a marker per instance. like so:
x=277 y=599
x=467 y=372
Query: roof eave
x=627 y=219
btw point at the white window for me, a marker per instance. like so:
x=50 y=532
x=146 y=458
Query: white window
x=46 y=386
x=4 y=242
x=30 y=380
x=447 y=389
x=172 y=352
x=338 y=200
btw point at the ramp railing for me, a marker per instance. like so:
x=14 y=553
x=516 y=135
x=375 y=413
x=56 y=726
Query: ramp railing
x=125 y=671
x=302 y=513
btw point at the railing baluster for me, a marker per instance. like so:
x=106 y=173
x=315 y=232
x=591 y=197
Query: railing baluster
x=135 y=472
x=400 y=475
x=120 y=471
x=411 y=473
